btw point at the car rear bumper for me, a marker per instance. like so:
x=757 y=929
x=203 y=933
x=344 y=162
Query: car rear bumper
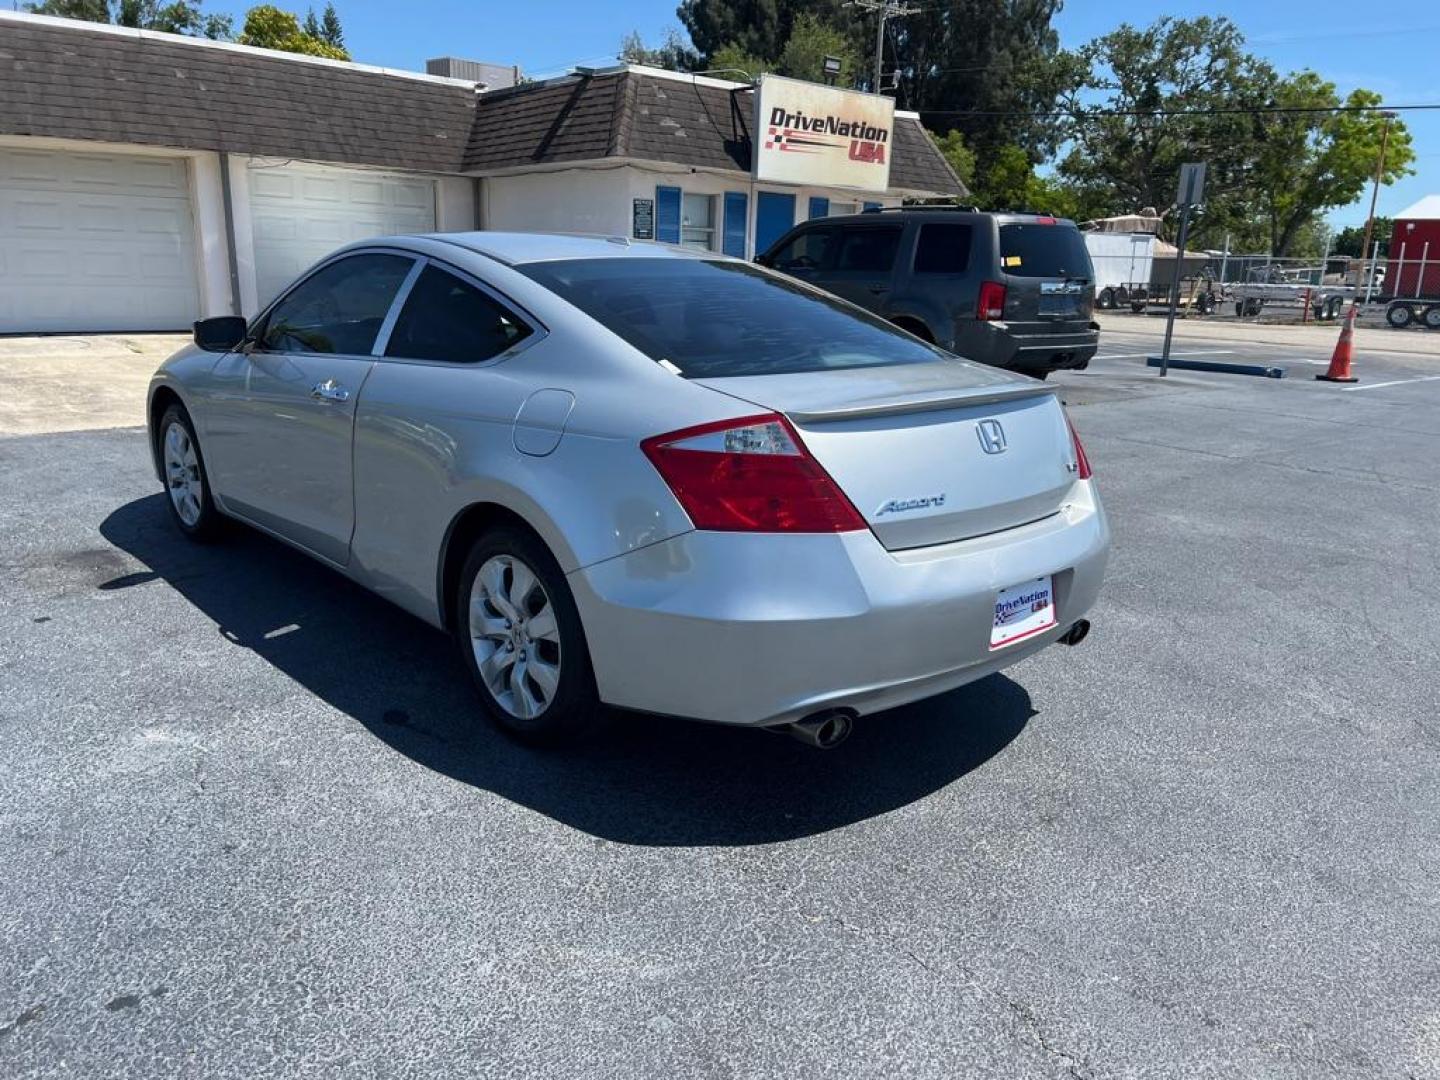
x=763 y=629
x=1020 y=349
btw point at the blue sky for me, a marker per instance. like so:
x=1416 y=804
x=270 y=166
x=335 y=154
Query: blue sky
x=1394 y=52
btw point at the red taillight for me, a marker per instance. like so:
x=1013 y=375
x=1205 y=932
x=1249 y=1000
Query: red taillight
x=992 y=302
x=1042 y=220
x=1082 y=463
x=750 y=475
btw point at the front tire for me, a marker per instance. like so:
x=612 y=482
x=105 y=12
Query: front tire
x=186 y=482
x=521 y=640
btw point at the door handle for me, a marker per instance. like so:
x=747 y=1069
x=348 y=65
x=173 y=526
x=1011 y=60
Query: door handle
x=878 y=289
x=329 y=390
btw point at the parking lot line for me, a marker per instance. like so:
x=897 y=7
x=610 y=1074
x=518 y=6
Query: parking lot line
x=1392 y=382
x=1142 y=355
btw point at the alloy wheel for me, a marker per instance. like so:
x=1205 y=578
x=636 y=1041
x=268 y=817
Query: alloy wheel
x=515 y=636
x=182 y=474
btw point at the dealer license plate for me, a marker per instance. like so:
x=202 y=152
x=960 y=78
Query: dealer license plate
x=1022 y=611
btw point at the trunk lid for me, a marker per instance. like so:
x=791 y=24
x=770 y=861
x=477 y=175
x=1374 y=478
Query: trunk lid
x=928 y=453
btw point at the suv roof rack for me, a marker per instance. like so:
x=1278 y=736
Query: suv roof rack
x=946 y=207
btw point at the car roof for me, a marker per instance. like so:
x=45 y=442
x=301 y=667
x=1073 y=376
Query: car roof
x=518 y=248
x=936 y=214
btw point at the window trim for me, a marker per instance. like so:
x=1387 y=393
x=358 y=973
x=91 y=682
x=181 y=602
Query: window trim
x=261 y=321
x=538 y=330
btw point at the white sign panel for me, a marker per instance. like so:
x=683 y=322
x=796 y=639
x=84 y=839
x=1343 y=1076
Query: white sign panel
x=806 y=133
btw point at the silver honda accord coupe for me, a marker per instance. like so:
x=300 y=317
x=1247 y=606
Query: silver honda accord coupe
x=639 y=475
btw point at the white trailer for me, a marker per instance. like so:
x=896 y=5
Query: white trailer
x=1121 y=259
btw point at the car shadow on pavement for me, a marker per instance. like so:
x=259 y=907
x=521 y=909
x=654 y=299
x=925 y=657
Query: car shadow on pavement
x=643 y=780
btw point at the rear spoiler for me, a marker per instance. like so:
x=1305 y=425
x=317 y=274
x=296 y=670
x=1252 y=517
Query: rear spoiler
x=944 y=399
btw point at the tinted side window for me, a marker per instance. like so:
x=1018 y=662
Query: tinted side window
x=943 y=249
x=813 y=249
x=446 y=319
x=868 y=249
x=338 y=309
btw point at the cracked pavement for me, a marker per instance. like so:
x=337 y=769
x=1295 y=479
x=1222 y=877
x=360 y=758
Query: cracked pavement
x=251 y=827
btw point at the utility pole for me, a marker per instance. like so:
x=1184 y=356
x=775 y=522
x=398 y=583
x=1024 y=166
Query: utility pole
x=1370 y=221
x=885 y=9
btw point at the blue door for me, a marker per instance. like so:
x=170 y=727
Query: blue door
x=774 y=216
x=736 y=205
x=667 y=215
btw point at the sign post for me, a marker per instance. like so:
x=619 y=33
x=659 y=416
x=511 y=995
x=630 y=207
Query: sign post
x=1192 y=189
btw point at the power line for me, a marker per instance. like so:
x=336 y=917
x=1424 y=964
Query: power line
x=884 y=9
x=1269 y=110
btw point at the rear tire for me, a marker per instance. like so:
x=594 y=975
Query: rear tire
x=1399 y=316
x=521 y=640
x=187 y=485
x=1431 y=317
x=1106 y=300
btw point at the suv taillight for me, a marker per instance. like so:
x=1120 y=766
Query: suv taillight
x=991 y=305
x=1082 y=463
x=750 y=475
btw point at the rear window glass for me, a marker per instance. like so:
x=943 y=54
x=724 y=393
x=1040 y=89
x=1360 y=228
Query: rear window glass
x=716 y=319
x=1034 y=250
x=942 y=249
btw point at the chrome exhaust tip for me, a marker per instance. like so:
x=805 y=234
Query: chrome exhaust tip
x=1077 y=633
x=823 y=730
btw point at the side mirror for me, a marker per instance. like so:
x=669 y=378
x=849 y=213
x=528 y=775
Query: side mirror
x=220 y=334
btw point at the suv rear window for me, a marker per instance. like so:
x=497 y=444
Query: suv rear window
x=713 y=319
x=1038 y=250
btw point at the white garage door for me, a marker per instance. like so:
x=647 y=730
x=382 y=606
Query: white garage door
x=303 y=212
x=95 y=242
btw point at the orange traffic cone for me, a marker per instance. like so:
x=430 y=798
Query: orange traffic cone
x=1339 y=370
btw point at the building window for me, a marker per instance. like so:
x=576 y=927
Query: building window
x=697 y=221
x=839 y=208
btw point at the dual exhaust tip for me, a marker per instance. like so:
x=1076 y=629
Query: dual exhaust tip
x=829 y=728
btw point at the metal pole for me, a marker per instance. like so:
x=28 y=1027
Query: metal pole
x=1420 y=277
x=1374 y=196
x=1224 y=258
x=1370 y=279
x=1175 y=288
x=880 y=44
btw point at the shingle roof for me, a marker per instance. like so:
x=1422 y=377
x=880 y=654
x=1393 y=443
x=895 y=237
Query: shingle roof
x=75 y=81
x=635 y=115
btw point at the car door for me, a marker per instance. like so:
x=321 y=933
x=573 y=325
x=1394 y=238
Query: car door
x=443 y=408
x=863 y=268
x=281 y=423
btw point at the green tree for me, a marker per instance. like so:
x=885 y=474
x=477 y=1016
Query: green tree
x=672 y=53
x=730 y=60
x=174 y=17
x=331 y=32
x=267 y=27
x=1310 y=162
x=758 y=28
x=960 y=157
x=810 y=42
x=1349 y=239
x=88 y=10
x=311 y=25
x=1145 y=101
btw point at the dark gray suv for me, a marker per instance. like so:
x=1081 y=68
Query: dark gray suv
x=1009 y=289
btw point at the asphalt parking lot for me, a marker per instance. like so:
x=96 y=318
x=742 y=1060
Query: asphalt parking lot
x=252 y=828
